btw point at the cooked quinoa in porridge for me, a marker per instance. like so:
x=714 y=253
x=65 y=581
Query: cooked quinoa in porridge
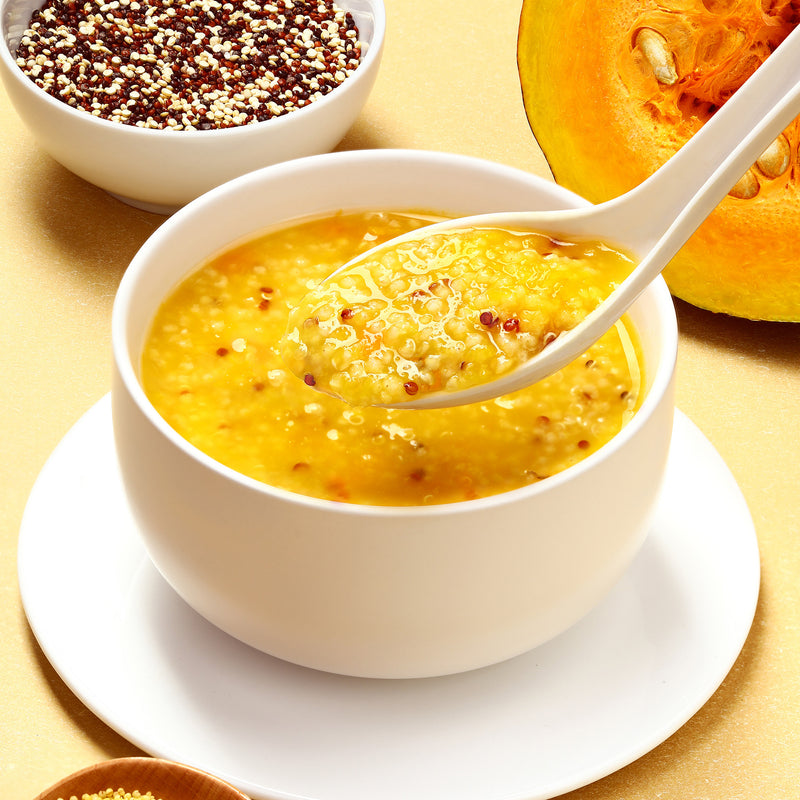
x=212 y=367
x=446 y=312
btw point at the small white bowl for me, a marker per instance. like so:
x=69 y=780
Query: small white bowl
x=367 y=590
x=161 y=170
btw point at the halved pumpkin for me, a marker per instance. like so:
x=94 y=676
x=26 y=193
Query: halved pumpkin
x=612 y=88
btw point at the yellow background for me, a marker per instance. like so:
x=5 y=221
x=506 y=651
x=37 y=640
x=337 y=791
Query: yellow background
x=448 y=82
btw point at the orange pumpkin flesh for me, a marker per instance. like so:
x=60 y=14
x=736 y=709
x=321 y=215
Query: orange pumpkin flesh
x=613 y=88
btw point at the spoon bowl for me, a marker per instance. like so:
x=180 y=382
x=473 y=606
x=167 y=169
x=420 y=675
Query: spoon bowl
x=651 y=222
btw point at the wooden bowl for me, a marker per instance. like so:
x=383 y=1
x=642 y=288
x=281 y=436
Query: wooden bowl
x=165 y=780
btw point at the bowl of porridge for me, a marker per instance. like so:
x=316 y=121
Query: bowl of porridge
x=158 y=102
x=367 y=541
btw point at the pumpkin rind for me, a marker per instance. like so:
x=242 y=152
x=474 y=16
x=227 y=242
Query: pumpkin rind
x=604 y=123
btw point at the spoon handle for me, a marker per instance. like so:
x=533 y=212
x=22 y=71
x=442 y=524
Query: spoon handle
x=687 y=188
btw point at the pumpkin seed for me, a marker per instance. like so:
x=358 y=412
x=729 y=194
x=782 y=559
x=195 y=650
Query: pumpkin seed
x=747 y=186
x=658 y=54
x=774 y=161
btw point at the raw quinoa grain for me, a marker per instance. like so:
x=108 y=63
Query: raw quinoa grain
x=196 y=65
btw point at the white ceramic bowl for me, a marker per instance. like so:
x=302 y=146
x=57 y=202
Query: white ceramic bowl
x=365 y=590
x=160 y=170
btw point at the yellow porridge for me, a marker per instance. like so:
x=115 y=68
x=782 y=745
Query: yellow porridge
x=446 y=312
x=212 y=368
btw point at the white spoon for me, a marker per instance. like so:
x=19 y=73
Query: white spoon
x=652 y=221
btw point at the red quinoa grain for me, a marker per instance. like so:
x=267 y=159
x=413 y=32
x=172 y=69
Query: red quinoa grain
x=196 y=65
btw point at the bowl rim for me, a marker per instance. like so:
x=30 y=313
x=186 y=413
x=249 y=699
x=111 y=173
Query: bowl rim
x=657 y=292
x=371 y=54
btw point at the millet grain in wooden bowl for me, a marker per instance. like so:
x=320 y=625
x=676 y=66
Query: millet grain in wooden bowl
x=141 y=778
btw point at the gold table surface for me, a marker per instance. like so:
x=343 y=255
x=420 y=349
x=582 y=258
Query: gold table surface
x=448 y=82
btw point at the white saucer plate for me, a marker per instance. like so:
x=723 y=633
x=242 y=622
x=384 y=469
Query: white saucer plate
x=568 y=713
